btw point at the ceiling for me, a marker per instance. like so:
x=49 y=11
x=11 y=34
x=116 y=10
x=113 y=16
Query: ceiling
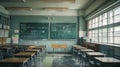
x=48 y=7
x=50 y=4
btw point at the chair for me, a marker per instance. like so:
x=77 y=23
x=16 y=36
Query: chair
x=63 y=46
x=1 y=55
x=54 y=46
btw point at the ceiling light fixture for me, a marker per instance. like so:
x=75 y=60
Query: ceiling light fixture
x=72 y=1
x=18 y=8
x=12 y=0
x=55 y=8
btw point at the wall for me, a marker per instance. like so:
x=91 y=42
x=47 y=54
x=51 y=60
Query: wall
x=108 y=50
x=117 y=52
x=45 y=12
x=93 y=6
x=81 y=29
x=4 y=34
x=16 y=20
x=3 y=11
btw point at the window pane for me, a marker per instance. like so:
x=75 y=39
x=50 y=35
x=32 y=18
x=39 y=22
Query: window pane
x=90 y=34
x=93 y=23
x=96 y=35
x=104 y=15
x=116 y=18
x=110 y=13
x=100 y=20
x=110 y=20
x=110 y=39
x=104 y=39
x=110 y=34
x=117 y=11
x=100 y=35
x=105 y=30
x=89 y=24
x=104 y=35
x=117 y=33
x=117 y=40
x=117 y=28
x=96 y=20
x=110 y=17
x=105 y=22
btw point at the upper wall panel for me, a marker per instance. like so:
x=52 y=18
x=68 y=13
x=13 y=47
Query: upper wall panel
x=2 y=10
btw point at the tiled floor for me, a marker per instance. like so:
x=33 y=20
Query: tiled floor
x=60 y=60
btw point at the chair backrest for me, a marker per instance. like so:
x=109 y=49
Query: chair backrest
x=31 y=46
x=55 y=46
x=63 y=46
x=1 y=55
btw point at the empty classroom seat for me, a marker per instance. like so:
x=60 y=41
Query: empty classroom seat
x=54 y=46
x=63 y=46
x=1 y=55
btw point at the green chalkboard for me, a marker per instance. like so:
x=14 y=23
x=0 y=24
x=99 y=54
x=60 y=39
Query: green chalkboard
x=34 y=30
x=63 y=31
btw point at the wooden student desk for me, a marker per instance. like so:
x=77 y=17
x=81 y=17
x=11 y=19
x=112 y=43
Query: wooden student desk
x=42 y=49
x=39 y=47
x=33 y=50
x=30 y=55
x=6 y=49
x=14 y=62
x=95 y=54
x=87 y=50
x=108 y=61
x=37 y=58
x=78 y=47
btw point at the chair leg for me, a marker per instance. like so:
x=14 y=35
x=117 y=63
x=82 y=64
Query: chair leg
x=64 y=51
x=53 y=52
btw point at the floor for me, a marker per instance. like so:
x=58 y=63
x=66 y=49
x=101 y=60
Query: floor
x=60 y=60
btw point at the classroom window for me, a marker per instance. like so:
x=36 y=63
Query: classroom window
x=106 y=27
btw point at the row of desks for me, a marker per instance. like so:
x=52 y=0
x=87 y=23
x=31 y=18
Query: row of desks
x=98 y=57
x=28 y=58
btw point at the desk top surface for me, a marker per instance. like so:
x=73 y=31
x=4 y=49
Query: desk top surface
x=5 y=48
x=25 y=54
x=86 y=50
x=42 y=46
x=39 y=47
x=36 y=50
x=79 y=47
x=14 y=60
x=95 y=54
x=32 y=50
x=107 y=59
